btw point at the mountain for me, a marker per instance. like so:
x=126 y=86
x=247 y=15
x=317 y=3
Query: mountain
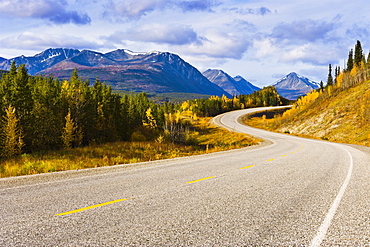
x=234 y=86
x=293 y=85
x=158 y=72
x=40 y=61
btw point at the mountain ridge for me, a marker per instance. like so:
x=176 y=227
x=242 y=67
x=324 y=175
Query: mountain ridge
x=158 y=72
x=233 y=85
x=294 y=85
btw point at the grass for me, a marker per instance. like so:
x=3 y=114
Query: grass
x=342 y=116
x=204 y=138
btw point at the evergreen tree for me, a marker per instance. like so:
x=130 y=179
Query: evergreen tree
x=321 y=85
x=358 y=54
x=350 y=61
x=329 y=81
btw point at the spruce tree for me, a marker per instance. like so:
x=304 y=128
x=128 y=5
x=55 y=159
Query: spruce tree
x=330 y=77
x=358 y=54
x=321 y=85
x=350 y=61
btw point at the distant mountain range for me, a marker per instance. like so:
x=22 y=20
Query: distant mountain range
x=157 y=72
x=293 y=85
x=234 y=86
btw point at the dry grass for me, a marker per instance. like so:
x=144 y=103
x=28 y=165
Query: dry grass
x=204 y=138
x=343 y=116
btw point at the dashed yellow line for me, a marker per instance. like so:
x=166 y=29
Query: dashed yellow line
x=198 y=180
x=250 y=166
x=270 y=159
x=284 y=155
x=90 y=207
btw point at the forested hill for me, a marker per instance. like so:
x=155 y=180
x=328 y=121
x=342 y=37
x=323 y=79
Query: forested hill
x=42 y=113
x=338 y=112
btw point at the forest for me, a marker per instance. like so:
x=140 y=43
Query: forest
x=44 y=113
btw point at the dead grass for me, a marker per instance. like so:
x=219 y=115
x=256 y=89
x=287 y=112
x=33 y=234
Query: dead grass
x=341 y=117
x=204 y=138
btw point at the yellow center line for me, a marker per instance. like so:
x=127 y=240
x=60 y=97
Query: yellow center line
x=198 y=180
x=270 y=159
x=283 y=155
x=247 y=167
x=90 y=207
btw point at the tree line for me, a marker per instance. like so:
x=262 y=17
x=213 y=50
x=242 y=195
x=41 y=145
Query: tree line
x=357 y=70
x=42 y=113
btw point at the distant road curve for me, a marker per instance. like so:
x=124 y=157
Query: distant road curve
x=289 y=191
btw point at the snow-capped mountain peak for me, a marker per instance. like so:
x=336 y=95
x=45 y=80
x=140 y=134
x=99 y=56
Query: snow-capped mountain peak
x=234 y=86
x=293 y=85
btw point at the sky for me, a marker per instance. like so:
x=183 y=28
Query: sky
x=261 y=40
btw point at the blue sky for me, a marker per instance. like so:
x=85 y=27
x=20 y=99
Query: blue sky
x=261 y=40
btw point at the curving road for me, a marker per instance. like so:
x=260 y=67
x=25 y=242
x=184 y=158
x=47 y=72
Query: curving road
x=288 y=191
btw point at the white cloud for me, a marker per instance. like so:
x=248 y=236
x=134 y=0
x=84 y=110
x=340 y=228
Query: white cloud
x=307 y=30
x=36 y=41
x=174 y=34
x=55 y=11
x=317 y=54
x=219 y=44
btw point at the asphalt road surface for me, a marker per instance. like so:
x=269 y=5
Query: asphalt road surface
x=289 y=191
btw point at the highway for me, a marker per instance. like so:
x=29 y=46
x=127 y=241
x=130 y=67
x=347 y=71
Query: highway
x=288 y=191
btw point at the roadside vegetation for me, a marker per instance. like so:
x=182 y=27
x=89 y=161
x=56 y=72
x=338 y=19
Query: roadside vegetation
x=201 y=137
x=338 y=112
x=51 y=125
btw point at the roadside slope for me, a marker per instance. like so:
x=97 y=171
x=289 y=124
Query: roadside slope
x=333 y=114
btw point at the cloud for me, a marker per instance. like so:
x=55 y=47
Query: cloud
x=306 y=30
x=219 y=44
x=173 y=34
x=316 y=54
x=54 y=11
x=242 y=25
x=250 y=11
x=133 y=9
x=33 y=41
x=359 y=32
x=196 y=5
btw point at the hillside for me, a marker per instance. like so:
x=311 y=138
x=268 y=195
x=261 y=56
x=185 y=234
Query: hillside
x=342 y=117
x=340 y=112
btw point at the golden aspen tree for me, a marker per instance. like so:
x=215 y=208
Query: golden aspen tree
x=12 y=134
x=69 y=129
x=150 y=120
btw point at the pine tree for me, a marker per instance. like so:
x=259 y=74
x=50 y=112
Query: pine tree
x=321 y=85
x=358 y=54
x=350 y=61
x=330 y=77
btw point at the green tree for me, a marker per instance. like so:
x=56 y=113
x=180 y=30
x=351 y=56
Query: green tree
x=329 y=81
x=350 y=61
x=359 y=56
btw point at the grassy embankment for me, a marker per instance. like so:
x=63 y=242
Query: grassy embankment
x=336 y=115
x=203 y=138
